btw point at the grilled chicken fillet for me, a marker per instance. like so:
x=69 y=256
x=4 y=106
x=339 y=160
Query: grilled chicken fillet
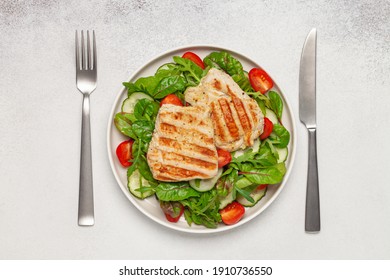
x=237 y=119
x=182 y=147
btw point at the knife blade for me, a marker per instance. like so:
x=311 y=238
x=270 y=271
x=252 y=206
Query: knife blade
x=307 y=115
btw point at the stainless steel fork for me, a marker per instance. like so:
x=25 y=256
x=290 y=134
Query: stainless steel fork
x=86 y=77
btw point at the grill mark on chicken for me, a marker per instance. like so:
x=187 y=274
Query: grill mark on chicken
x=178 y=146
x=228 y=116
x=170 y=172
x=182 y=147
x=244 y=119
x=179 y=132
x=218 y=125
x=217 y=84
x=186 y=160
x=245 y=112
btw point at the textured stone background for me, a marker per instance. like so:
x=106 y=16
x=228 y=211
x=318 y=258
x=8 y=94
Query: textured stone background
x=40 y=114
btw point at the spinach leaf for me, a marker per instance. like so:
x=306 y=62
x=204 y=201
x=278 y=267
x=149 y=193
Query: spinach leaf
x=143 y=129
x=225 y=61
x=169 y=85
x=268 y=175
x=146 y=110
x=168 y=69
x=276 y=103
x=144 y=170
x=243 y=81
x=177 y=191
x=280 y=136
x=144 y=84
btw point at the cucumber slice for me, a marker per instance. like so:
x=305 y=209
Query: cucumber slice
x=255 y=148
x=204 y=185
x=282 y=152
x=129 y=103
x=135 y=181
x=241 y=183
x=271 y=116
x=257 y=195
x=226 y=200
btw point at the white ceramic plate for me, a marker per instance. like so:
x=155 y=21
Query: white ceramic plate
x=150 y=207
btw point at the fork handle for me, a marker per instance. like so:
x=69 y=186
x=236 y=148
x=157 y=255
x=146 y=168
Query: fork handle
x=312 y=217
x=86 y=208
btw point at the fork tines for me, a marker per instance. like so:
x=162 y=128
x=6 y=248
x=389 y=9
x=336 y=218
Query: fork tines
x=88 y=57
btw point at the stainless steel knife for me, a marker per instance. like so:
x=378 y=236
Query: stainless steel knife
x=307 y=114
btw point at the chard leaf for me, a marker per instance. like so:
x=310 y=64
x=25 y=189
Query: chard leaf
x=123 y=124
x=177 y=191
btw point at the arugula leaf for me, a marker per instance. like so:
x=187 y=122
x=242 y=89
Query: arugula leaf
x=246 y=194
x=177 y=191
x=261 y=99
x=203 y=210
x=191 y=70
x=169 y=85
x=265 y=156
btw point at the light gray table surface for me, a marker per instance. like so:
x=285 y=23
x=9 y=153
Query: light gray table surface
x=40 y=122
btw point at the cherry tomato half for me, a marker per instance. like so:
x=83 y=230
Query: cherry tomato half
x=171 y=99
x=224 y=157
x=261 y=187
x=123 y=152
x=268 y=127
x=232 y=213
x=260 y=81
x=194 y=58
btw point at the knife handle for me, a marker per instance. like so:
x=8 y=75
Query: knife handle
x=312 y=216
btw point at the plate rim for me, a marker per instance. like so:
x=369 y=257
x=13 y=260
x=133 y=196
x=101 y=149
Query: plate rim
x=124 y=189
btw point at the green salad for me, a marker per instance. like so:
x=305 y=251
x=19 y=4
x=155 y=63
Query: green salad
x=245 y=175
